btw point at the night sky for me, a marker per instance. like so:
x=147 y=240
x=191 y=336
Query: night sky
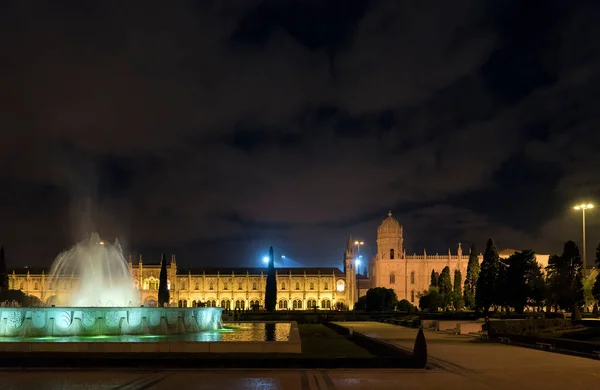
x=214 y=129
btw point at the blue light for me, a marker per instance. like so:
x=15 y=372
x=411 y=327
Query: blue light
x=266 y=259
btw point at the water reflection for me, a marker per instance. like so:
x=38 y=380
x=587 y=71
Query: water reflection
x=270 y=331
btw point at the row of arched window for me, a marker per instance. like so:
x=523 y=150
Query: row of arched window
x=311 y=286
x=310 y=304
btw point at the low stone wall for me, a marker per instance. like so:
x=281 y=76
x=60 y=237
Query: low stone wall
x=470 y=327
x=449 y=324
x=429 y=324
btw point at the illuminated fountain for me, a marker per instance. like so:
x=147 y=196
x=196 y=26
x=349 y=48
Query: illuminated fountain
x=101 y=301
x=101 y=272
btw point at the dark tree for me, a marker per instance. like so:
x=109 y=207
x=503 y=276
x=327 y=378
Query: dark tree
x=523 y=281
x=405 y=306
x=487 y=281
x=596 y=287
x=502 y=286
x=163 y=288
x=420 y=349
x=565 y=279
x=431 y=300
x=471 y=278
x=3 y=272
x=271 y=287
x=381 y=299
x=434 y=279
x=457 y=298
x=445 y=286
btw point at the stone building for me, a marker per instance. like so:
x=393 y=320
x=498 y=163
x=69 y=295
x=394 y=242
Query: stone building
x=241 y=287
x=410 y=275
x=297 y=288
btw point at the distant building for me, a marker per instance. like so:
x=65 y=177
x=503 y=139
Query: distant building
x=232 y=288
x=297 y=288
x=410 y=275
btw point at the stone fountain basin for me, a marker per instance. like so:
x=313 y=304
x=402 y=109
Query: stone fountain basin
x=96 y=321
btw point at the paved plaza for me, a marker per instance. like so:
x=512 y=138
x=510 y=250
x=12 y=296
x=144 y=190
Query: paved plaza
x=458 y=362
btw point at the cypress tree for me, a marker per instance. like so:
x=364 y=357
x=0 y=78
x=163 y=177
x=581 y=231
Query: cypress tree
x=457 y=298
x=434 y=279
x=420 y=350
x=163 y=289
x=473 y=270
x=3 y=272
x=271 y=287
x=445 y=286
x=488 y=278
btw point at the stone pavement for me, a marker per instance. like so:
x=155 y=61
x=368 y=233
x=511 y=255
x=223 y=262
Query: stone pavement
x=460 y=363
x=491 y=365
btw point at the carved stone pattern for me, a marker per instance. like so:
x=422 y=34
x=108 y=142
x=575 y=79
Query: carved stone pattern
x=88 y=318
x=64 y=319
x=111 y=318
x=38 y=319
x=15 y=319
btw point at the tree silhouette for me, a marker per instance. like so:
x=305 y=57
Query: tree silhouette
x=163 y=288
x=445 y=286
x=434 y=279
x=271 y=287
x=523 y=279
x=488 y=278
x=565 y=279
x=457 y=298
x=473 y=270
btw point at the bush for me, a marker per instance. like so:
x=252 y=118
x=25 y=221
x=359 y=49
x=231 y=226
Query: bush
x=405 y=306
x=530 y=326
x=20 y=297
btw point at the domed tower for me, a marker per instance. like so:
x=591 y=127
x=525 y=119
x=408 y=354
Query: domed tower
x=389 y=239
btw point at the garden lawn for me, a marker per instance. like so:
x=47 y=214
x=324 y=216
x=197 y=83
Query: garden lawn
x=319 y=341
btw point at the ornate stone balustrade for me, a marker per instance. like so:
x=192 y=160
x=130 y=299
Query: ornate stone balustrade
x=96 y=321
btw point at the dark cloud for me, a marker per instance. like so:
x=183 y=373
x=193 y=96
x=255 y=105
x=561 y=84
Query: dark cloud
x=215 y=129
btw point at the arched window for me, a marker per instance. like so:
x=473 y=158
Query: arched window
x=225 y=286
x=283 y=286
x=325 y=304
x=283 y=304
x=392 y=278
x=312 y=286
x=254 y=286
x=194 y=304
x=36 y=286
x=297 y=286
x=412 y=296
x=185 y=303
x=211 y=286
x=297 y=304
x=21 y=286
x=226 y=304
x=213 y=303
x=180 y=303
x=239 y=285
x=311 y=304
x=412 y=277
x=326 y=286
x=197 y=286
x=391 y=253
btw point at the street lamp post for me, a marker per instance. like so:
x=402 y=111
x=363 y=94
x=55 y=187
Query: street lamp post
x=357 y=283
x=357 y=265
x=583 y=207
